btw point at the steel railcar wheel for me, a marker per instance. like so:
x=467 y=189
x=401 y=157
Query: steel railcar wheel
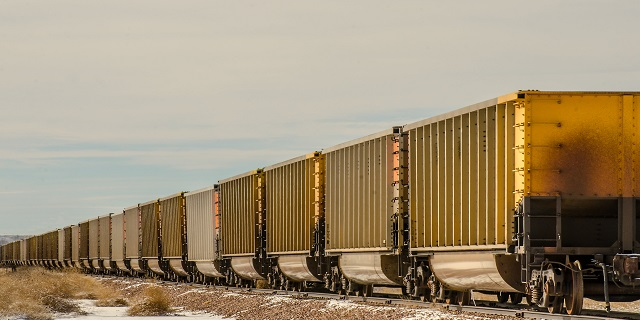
x=575 y=290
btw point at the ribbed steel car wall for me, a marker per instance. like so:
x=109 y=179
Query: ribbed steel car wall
x=24 y=250
x=53 y=245
x=173 y=226
x=201 y=228
x=462 y=179
x=132 y=229
x=291 y=207
x=84 y=240
x=75 y=243
x=16 y=251
x=359 y=193
x=94 y=238
x=33 y=247
x=239 y=215
x=105 y=237
x=68 y=238
x=41 y=249
x=117 y=237
x=7 y=252
x=150 y=232
x=61 y=244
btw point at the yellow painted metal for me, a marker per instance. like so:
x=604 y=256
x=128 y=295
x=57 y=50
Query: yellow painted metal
x=132 y=231
x=94 y=240
x=579 y=144
x=293 y=203
x=117 y=237
x=471 y=167
x=150 y=229
x=359 y=193
x=241 y=204
x=75 y=242
x=104 y=237
x=174 y=229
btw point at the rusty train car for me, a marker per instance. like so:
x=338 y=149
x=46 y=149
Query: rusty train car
x=529 y=195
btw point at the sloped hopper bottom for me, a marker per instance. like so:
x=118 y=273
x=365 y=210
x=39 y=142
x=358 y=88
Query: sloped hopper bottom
x=477 y=271
x=209 y=268
x=177 y=267
x=135 y=265
x=122 y=266
x=155 y=266
x=95 y=264
x=246 y=267
x=370 y=268
x=299 y=267
x=106 y=264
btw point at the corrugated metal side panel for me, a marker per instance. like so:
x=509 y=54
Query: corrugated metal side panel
x=24 y=250
x=359 y=193
x=41 y=248
x=132 y=232
x=4 y=252
x=201 y=226
x=117 y=237
x=33 y=248
x=173 y=226
x=7 y=252
x=94 y=239
x=68 y=247
x=61 y=244
x=75 y=243
x=150 y=232
x=239 y=215
x=53 y=241
x=84 y=240
x=290 y=204
x=105 y=237
x=462 y=180
x=16 y=251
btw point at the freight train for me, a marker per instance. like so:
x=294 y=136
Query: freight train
x=532 y=194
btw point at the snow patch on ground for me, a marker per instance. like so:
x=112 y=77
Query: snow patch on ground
x=101 y=313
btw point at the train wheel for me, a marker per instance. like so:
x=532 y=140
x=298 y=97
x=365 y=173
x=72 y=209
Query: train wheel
x=464 y=298
x=556 y=305
x=516 y=298
x=503 y=297
x=575 y=290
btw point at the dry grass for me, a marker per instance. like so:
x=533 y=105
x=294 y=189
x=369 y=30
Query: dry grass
x=36 y=293
x=262 y=284
x=154 y=302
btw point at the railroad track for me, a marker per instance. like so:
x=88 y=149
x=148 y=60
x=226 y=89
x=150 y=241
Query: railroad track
x=480 y=306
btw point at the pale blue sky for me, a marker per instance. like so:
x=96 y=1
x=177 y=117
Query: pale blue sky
x=105 y=104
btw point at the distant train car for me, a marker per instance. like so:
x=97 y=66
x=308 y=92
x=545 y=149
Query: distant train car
x=202 y=232
x=295 y=221
x=133 y=240
x=83 y=247
x=243 y=227
x=94 y=245
x=173 y=235
x=104 y=242
x=151 y=243
x=24 y=251
x=119 y=261
x=75 y=246
x=66 y=246
x=365 y=211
